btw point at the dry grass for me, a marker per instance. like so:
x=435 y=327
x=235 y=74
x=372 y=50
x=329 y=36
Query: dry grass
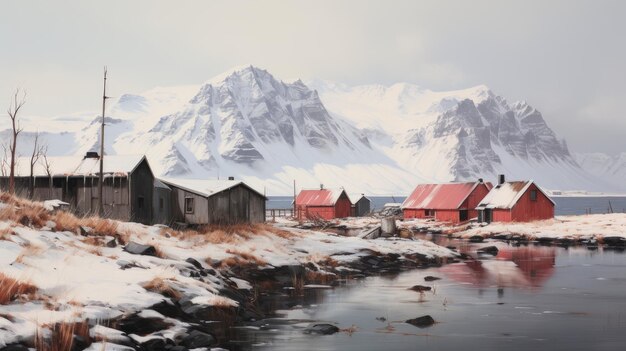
x=28 y=251
x=163 y=287
x=29 y=213
x=6 y=233
x=61 y=336
x=10 y=289
x=319 y=277
x=36 y=216
x=227 y=234
x=248 y=257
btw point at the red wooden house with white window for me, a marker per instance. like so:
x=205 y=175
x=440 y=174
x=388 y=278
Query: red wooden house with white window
x=323 y=204
x=519 y=201
x=450 y=202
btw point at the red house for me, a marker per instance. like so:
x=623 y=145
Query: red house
x=519 y=201
x=323 y=203
x=451 y=202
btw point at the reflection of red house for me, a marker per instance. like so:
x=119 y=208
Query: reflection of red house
x=512 y=267
x=323 y=203
x=520 y=201
x=536 y=263
x=451 y=202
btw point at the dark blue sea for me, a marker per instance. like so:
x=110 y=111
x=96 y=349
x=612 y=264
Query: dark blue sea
x=564 y=205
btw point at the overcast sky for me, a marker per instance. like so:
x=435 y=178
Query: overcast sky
x=564 y=57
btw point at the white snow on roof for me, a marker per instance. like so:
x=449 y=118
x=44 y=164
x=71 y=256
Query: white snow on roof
x=506 y=195
x=119 y=165
x=203 y=187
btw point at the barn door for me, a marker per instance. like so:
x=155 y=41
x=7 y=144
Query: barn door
x=463 y=215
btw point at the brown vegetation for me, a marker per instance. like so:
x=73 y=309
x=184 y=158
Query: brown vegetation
x=6 y=233
x=61 y=337
x=227 y=234
x=319 y=277
x=10 y=289
x=247 y=257
x=160 y=286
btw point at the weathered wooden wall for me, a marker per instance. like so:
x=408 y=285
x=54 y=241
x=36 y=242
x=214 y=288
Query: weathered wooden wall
x=141 y=186
x=161 y=206
x=526 y=210
x=236 y=205
x=362 y=207
x=447 y=216
x=409 y=213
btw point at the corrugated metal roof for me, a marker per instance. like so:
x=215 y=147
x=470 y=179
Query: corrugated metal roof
x=448 y=196
x=319 y=197
x=506 y=195
x=119 y=165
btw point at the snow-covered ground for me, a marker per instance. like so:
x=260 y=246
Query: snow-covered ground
x=78 y=277
x=595 y=226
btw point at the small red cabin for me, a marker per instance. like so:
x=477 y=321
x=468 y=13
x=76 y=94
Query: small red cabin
x=323 y=203
x=519 y=201
x=451 y=202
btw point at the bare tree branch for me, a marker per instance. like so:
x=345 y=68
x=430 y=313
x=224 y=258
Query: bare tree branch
x=34 y=157
x=14 y=107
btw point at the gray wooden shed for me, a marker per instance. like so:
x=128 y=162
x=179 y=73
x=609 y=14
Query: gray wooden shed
x=362 y=206
x=222 y=202
x=127 y=187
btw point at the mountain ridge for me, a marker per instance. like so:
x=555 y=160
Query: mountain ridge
x=375 y=139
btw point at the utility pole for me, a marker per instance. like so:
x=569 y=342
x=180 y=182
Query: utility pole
x=101 y=177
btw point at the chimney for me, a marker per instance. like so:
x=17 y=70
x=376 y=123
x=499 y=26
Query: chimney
x=501 y=179
x=321 y=186
x=91 y=154
x=480 y=180
x=231 y=178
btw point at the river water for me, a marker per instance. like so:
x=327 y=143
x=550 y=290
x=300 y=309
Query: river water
x=526 y=297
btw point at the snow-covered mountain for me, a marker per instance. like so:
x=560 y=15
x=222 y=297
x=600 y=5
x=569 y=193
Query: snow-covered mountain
x=612 y=168
x=373 y=139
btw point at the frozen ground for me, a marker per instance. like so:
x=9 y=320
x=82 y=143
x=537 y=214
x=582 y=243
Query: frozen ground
x=77 y=275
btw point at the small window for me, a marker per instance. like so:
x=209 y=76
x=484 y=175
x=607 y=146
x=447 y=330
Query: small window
x=161 y=205
x=140 y=202
x=189 y=205
x=533 y=195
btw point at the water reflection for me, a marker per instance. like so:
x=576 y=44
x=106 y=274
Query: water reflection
x=512 y=267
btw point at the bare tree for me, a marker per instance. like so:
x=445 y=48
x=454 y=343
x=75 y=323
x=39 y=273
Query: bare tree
x=38 y=150
x=14 y=107
x=4 y=160
x=48 y=167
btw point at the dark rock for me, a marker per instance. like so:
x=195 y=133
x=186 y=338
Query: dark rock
x=617 y=241
x=194 y=262
x=430 y=278
x=420 y=288
x=79 y=343
x=84 y=231
x=321 y=329
x=492 y=250
x=476 y=239
x=422 y=322
x=565 y=242
x=127 y=265
x=154 y=345
x=140 y=249
x=169 y=309
x=14 y=347
x=545 y=241
x=197 y=339
x=135 y=324
x=112 y=243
